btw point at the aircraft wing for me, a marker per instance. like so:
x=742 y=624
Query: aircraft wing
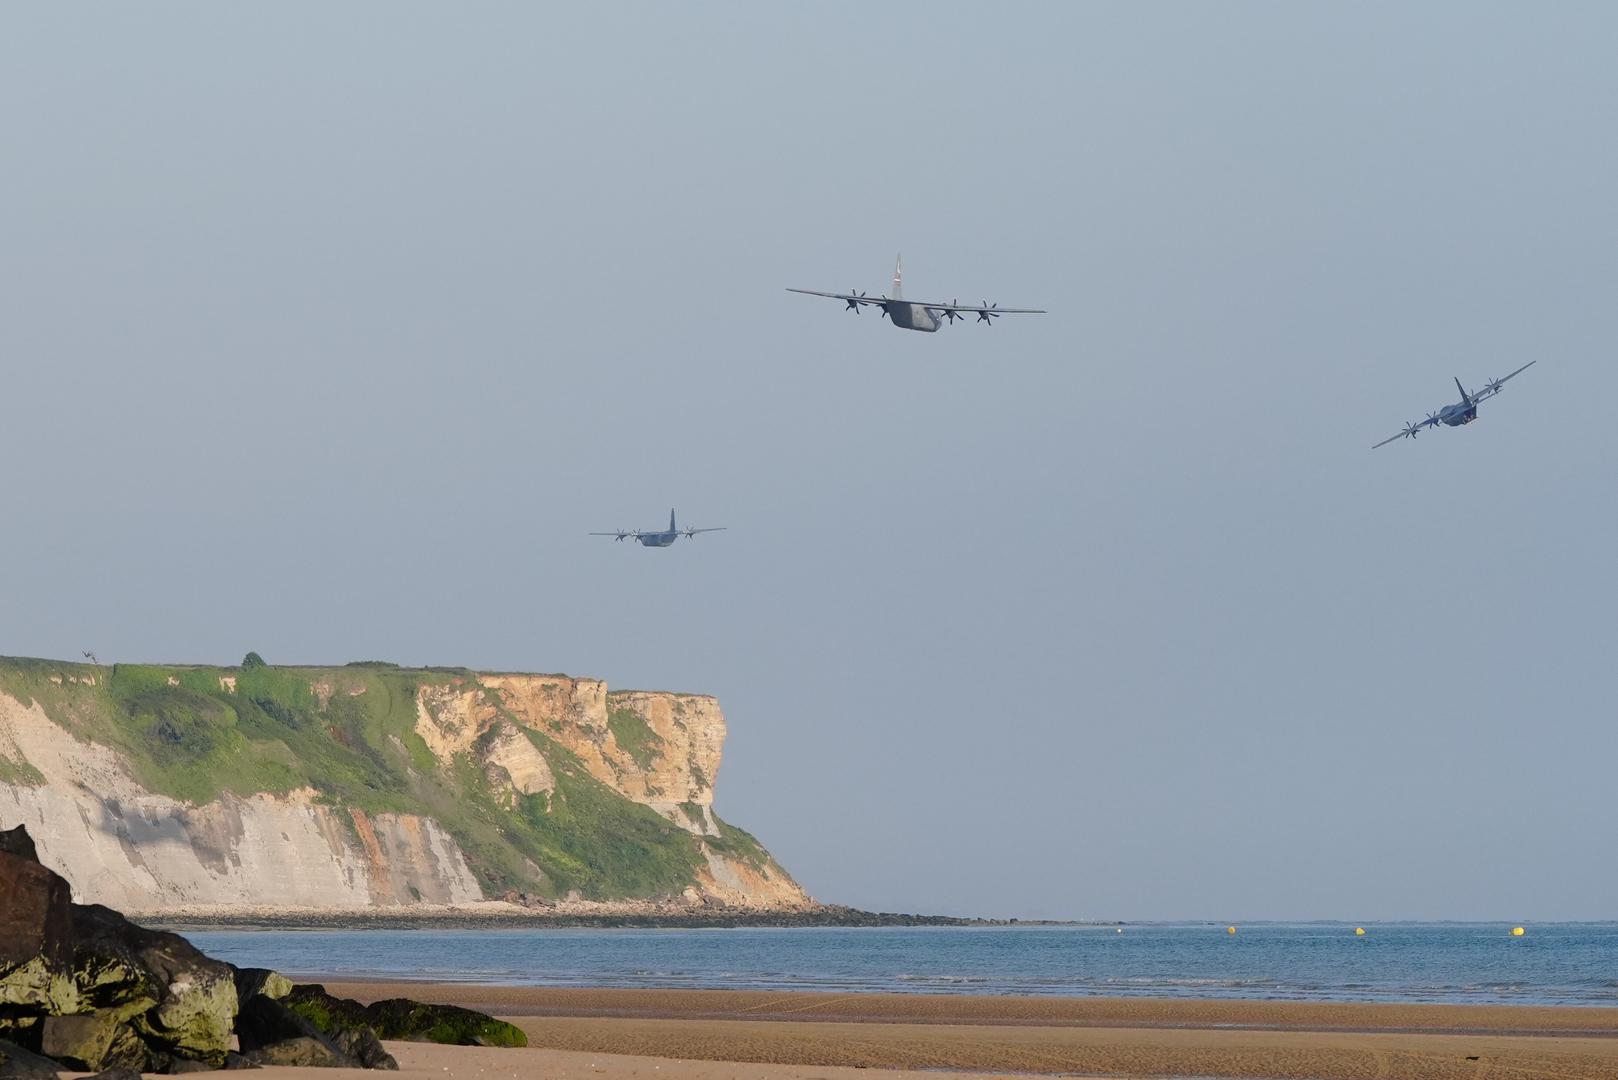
x=847 y=298
x=959 y=309
x=1409 y=432
x=965 y=309
x=1494 y=385
x=693 y=532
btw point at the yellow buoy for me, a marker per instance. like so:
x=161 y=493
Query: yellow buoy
x=1517 y=931
x=1359 y=931
x=1230 y=929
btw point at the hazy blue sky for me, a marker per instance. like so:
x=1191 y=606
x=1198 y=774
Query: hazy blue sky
x=330 y=330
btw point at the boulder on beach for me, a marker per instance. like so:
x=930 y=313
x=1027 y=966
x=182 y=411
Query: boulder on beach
x=84 y=989
x=413 y=1021
x=19 y=1064
x=179 y=1000
x=272 y=1034
x=403 y=1019
x=93 y=1041
x=251 y=982
x=36 y=931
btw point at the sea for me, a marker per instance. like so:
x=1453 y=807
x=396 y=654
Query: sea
x=1463 y=963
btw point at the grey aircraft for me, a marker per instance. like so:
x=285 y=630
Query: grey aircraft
x=663 y=538
x=1464 y=412
x=922 y=315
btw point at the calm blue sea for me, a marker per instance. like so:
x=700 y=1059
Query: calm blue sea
x=1565 y=963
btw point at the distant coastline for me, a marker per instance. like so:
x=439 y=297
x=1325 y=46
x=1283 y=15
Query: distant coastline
x=510 y=917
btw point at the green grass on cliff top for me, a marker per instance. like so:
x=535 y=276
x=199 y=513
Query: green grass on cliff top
x=634 y=735
x=184 y=734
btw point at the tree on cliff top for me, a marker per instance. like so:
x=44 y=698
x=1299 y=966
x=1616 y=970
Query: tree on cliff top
x=252 y=660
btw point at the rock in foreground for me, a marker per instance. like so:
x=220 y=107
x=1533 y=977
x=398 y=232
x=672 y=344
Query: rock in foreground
x=82 y=988
x=19 y=1064
x=404 y=1020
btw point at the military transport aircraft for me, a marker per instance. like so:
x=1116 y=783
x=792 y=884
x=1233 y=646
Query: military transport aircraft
x=917 y=314
x=1455 y=415
x=657 y=539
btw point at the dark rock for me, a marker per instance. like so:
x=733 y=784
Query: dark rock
x=361 y=1044
x=270 y=1033
x=19 y=1064
x=91 y=1041
x=328 y=1013
x=167 y=1064
x=21 y=1029
x=118 y=1073
x=342 y=1020
x=251 y=982
x=413 y=1021
x=18 y=842
x=178 y=1000
x=263 y=1020
x=233 y=1060
x=399 y=1018
x=36 y=935
x=305 y=1050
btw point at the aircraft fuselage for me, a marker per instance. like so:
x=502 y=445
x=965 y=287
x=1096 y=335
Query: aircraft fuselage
x=658 y=539
x=1456 y=415
x=909 y=316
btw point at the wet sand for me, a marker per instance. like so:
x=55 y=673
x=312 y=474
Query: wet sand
x=688 y=1034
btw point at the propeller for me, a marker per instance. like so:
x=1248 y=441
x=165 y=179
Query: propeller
x=689 y=532
x=624 y=534
x=884 y=305
x=951 y=314
x=854 y=304
x=1411 y=431
x=987 y=313
x=1493 y=386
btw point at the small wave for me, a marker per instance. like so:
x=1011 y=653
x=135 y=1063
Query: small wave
x=1428 y=963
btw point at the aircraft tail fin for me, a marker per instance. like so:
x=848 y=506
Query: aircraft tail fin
x=898 y=273
x=1464 y=395
x=671 y=519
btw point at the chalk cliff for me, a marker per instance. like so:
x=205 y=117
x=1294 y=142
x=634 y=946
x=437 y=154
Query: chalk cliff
x=159 y=788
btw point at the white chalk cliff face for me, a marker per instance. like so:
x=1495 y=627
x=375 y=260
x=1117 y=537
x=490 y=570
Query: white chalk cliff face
x=119 y=843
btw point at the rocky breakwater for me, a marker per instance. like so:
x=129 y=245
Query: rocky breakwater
x=84 y=989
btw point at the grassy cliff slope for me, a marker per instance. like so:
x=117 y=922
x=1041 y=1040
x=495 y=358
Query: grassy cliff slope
x=352 y=735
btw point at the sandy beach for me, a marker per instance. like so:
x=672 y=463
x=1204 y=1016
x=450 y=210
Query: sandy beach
x=684 y=1034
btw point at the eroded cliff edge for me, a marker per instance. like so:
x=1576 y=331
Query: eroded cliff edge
x=157 y=789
